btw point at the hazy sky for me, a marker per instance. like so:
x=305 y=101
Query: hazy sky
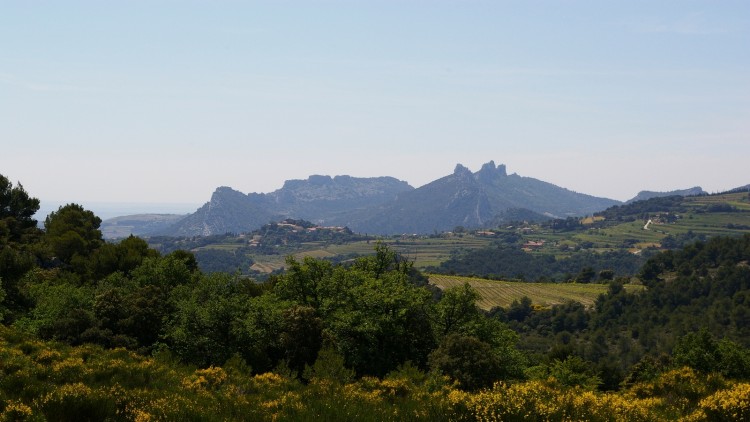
x=163 y=101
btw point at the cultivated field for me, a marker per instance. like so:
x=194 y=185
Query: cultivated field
x=422 y=250
x=503 y=293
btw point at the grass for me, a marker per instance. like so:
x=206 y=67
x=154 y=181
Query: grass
x=502 y=293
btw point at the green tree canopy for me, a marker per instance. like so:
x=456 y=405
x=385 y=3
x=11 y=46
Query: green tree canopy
x=18 y=237
x=72 y=233
x=17 y=210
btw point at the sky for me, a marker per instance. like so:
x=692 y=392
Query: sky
x=161 y=102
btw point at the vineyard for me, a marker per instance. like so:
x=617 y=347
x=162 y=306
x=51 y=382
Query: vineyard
x=503 y=293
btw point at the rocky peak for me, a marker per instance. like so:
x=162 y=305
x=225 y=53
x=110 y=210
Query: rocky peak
x=489 y=172
x=224 y=192
x=461 y=171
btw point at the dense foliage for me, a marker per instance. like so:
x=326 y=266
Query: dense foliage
x=704 y=286
x=50 y=381
x=509 y=262
x=119 y=331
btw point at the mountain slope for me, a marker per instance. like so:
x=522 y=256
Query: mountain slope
x=473 y=200
x=319 y=199
x=227 y=211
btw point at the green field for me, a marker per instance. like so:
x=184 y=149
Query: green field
x=503 y=293
x=424 y=251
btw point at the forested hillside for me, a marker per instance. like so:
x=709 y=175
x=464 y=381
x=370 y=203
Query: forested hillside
x=95 y=330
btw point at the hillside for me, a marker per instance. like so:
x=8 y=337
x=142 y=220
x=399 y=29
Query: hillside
x=619 y=239
x=227 y=211
x=646 y=194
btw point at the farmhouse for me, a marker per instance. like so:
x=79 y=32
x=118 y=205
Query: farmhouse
x=532 y=245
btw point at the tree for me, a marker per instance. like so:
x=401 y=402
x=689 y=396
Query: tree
x=301 y=283
x=606 y=275
x=703 y=353
x=300 y=337
x=467 y=360
x=72 y=233
x=62 y=311
x=377 y=323
x=574 y=372
x=519 y=311
x=384 y=260
x=2 y=299
x=17 y=210
x=457 y=310
x=215 y=318
x=586 y=275
x=124 y=256
x=18 y=236
x=329 y=366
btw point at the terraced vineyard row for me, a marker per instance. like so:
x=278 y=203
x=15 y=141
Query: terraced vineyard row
x=503 y=293
x=423 y=251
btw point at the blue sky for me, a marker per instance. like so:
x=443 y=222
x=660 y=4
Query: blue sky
x=163 y=101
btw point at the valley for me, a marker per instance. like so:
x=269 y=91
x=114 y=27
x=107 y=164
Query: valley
x=675 y=222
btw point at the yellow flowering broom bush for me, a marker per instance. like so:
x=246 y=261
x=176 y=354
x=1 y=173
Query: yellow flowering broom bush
x=732 y=404
x=49 y=381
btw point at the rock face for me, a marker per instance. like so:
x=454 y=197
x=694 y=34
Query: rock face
x=227 y=211
x=320 y=199
x=474 y=200
x=645 y=194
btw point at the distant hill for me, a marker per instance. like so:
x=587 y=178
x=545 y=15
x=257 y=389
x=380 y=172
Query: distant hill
x=228 y=211
x=745 y=188
x=645 y=194
x=320 y=199
x=385 y=205
x=475 y=200
x=138 y=225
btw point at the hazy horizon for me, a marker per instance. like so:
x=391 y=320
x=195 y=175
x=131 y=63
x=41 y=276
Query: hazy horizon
x=109 y=209
x=163 y=102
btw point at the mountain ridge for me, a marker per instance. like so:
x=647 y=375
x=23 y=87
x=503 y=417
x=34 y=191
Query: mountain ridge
x=472 y=200
x=317 y=198
x=385 y=205
x=647 y=194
